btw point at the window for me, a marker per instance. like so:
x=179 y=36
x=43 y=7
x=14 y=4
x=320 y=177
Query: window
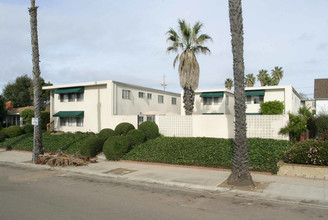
x=141 y=95
x=174 y=101
x=207 y=100
x=150 y=117
x=63 y=97
x=217 y=100
x=63 y=121
x=126 y=94
x=79 y=97
x=79 y=122
x=140 y=119
x=248 y=99
x=149 y=95
x=71 y=97
x=160 y=99
x=71 y=121
x=258 y=99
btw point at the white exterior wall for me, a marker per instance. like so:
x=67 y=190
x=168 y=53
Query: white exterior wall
x=220 y=126
x=136 y=105
x=321 y=106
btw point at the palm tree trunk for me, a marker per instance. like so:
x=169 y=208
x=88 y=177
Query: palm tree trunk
x=36 y=79
x=188 y=100
x=240 y=170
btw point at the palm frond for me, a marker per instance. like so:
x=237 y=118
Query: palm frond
x=201 y=49
x=172 y=49
x=175 y=60
x=203 y=38
x=196 y=28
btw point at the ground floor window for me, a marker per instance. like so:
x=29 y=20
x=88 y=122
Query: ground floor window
x=150 y=117
x=70 y=121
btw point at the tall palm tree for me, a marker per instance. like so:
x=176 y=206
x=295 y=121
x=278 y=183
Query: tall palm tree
x=277 y=73
x=262 y=77
x=190 y=42
x=240 y=170
x=250 y=80
x=38 y=147
x=228 y=83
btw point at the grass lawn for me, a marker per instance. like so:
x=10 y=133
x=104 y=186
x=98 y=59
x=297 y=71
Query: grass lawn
x=67 y=142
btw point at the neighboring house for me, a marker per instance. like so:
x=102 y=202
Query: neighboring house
x=321 y=95
x=286 y=94
x=309 y=104
x=93 y=106
x=213 y=102
x=221 y=101
x=13 y=114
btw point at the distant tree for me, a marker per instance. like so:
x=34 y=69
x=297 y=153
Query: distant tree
x=190 y=42
x=3 y=111
x=276 y=74
x=44 y=94
x=250 y=80
x=18 y=92
x=263 y=77
x=228 y=83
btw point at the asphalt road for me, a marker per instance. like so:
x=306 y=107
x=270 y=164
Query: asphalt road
x=27 y=193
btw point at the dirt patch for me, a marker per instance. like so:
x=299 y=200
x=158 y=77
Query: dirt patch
x=258 y=186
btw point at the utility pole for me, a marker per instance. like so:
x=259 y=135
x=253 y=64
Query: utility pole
x=163 y=82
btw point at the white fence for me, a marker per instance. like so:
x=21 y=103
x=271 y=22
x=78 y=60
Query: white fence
x=221 y=126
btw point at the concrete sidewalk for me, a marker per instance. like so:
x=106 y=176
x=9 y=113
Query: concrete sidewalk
x=272 y=187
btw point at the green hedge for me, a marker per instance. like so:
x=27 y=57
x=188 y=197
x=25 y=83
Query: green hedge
x=272 y=108
x=28 y=128
x=313 y=152
x=123 y=128
x=210 y=152
x=3 y=136
x=45 y=119
x=115 y=147
x=150 y=129
x=13 y=131
x=92 y=146
x=105 y=133
x=136 y=137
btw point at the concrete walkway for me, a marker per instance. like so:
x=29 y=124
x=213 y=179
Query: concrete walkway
x=272 y=187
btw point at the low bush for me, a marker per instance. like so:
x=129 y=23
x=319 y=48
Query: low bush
x=13 y=131
x=123 y=128
x=45 y=119
x=150 y=129
x=3 y=136
x=209 y=152
x=92 y=146
x=272 y=108
x=115 y=147
x=28 y=128
x=105 y=133
x=313 y=152
x=321 y=123
x=136 y=137
x=27 y=115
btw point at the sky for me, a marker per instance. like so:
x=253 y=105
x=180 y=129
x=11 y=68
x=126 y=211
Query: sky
x=125 y=41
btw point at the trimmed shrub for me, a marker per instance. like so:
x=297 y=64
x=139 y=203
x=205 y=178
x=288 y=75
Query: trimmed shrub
x=272 y=108
x=105 y=133
x=264 y=154
x=136 y=137
x=123 y=128
x=92 y=146
x=295 y=127
x=45 y=119
x=13 y=131
x=115 y=147
x=28 y=128
x=150 y=129
x=3 y=136
x=313 y=152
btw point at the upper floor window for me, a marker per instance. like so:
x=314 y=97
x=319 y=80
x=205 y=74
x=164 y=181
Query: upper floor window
x=217 y=100
x=248 y=99
x=79 y=97
x=149 y=95
x=63 y=97
x=141 y=95
x=126 y=94
x=207 y=100
x=174 y=101
x=160 y=99
x=258 y=99
x=71 y=97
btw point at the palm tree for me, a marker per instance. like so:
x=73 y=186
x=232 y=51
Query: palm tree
x=263 y=77
x=277 y=73
x=250 y=80
x=190 y=42
x=240 y=170
x=38 y=147
x=228 y=83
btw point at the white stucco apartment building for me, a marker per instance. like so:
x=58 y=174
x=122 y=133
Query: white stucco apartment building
x=221 y=101
x=92 y=106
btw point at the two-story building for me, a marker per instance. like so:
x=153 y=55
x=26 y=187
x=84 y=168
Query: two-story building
x=93 y=106
x=321 y=95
